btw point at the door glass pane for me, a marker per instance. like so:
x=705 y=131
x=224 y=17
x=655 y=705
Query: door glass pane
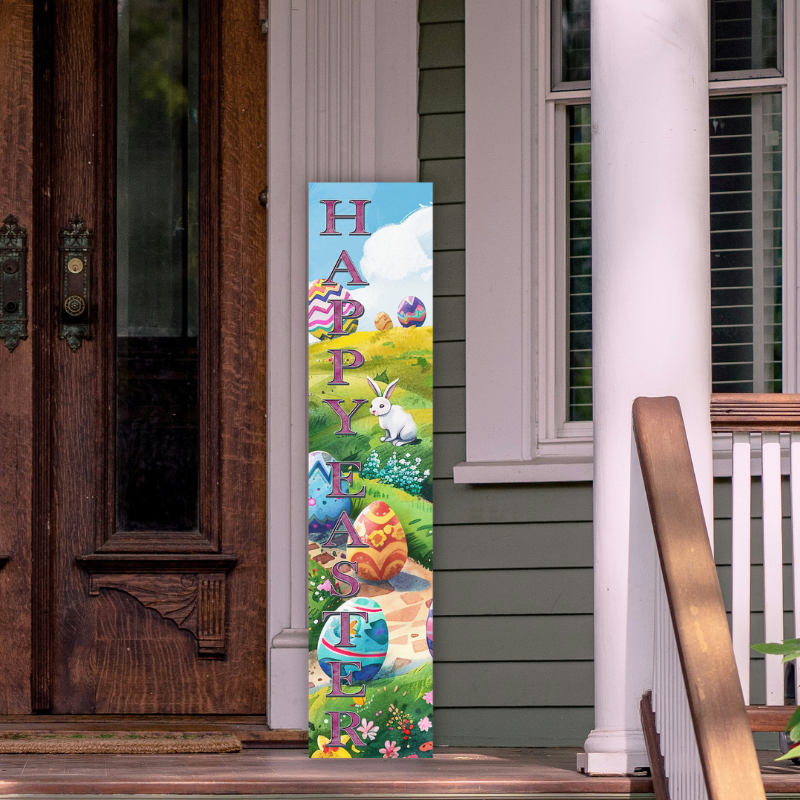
x=571 y=41
x=746 y=243
x=579 y=260
x=745 y=36
x=157 y=455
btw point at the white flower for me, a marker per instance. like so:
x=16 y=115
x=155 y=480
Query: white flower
x=369 y=730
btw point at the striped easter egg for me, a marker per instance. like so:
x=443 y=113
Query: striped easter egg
x=320 y=309
x=411 y=312
x=369 y=640
x=378 y=527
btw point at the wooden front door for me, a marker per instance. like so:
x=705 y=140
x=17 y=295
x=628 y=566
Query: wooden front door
x=132 y=418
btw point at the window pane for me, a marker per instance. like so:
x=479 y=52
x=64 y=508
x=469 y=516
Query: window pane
x=571 y=29
x=157 y=454
x=744 y=35
x=579 y=259
x=746 y=242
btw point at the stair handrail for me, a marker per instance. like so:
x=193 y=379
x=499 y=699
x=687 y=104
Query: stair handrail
x=722 y=731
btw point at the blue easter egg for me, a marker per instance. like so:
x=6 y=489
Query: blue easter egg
x=429 y=629
x=323 y=511
x=369 y=640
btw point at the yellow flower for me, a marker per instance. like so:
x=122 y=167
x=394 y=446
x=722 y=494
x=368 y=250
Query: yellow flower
x=330 y=752
x=398 y=532
x=377 y=538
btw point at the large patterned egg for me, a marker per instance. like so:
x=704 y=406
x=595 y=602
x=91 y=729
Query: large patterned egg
x=411 y=312
x=369 y=640
x=324 y=511
x=383 y=322
x=320 y=309
x=429 y=629
x=377 y=526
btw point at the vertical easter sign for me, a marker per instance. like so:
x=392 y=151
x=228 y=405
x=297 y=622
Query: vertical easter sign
x=370 y=429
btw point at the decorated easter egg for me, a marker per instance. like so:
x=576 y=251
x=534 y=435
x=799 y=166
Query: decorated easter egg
x=378 y=527
x=369 y=640
x=324 y=511
x=320 y=309
x=429 y=629
x=383 y=322
x=411 y=312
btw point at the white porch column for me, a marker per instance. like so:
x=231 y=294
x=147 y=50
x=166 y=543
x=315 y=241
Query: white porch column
x=651 y=318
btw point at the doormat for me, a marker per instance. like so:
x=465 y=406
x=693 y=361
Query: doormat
x=119 y=742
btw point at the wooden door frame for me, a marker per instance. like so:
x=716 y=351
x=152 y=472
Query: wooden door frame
x=16 y=398
x=235 y=479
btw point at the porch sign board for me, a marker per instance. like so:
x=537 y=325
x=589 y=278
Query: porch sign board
x=370 y=429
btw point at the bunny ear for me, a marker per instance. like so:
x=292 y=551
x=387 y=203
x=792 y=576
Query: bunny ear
x=390 y=388
x=374 y=386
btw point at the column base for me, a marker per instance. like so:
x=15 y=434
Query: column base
x=614 y=752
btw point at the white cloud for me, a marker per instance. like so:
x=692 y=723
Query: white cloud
x=395 y=252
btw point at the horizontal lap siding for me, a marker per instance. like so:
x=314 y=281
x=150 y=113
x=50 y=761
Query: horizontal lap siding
x=513 y=595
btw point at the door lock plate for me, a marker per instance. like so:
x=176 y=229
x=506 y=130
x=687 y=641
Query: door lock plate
x=75 y=254
x=13 y=282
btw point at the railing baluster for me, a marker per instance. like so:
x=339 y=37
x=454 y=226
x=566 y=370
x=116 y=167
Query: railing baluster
x=794 y=471
x=740 y=558
x=773 y=560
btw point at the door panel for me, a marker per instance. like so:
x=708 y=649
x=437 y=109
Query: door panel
x=134 y=604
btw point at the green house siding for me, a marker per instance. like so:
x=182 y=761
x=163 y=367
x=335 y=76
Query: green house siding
x=513 y=597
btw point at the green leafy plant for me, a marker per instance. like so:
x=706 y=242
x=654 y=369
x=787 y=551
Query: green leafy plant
x=790 y=650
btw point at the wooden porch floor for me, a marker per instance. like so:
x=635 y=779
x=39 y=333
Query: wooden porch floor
x=463 y=772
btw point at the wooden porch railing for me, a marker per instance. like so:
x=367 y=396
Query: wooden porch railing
x=756 y=422
x=705 y=723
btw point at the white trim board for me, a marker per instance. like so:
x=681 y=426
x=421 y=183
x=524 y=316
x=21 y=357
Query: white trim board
x=342 y=106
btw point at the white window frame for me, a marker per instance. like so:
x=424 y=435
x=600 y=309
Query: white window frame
x=516 y=391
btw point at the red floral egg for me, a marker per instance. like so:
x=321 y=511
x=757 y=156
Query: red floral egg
x=378 y=527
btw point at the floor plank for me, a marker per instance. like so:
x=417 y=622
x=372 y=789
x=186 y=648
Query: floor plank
x=463 y=772
x=778 y=778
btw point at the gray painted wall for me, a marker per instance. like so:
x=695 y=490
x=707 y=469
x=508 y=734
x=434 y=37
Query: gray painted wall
x=514 y=563
x=513 y=592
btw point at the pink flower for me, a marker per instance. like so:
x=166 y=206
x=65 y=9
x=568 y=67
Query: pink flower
x=413 y=755
x=424 y=724
x=428 y=698
x=390 y=751
x=369 y=730
x=325 y=586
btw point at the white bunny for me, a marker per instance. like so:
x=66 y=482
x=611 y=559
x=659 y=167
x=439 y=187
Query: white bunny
x=399 y=425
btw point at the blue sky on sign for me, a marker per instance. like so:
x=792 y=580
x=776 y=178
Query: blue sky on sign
x=396 y=260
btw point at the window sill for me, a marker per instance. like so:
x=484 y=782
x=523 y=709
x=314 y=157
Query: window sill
x=554 y=469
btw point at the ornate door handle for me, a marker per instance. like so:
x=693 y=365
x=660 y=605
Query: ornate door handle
x=75 y=258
